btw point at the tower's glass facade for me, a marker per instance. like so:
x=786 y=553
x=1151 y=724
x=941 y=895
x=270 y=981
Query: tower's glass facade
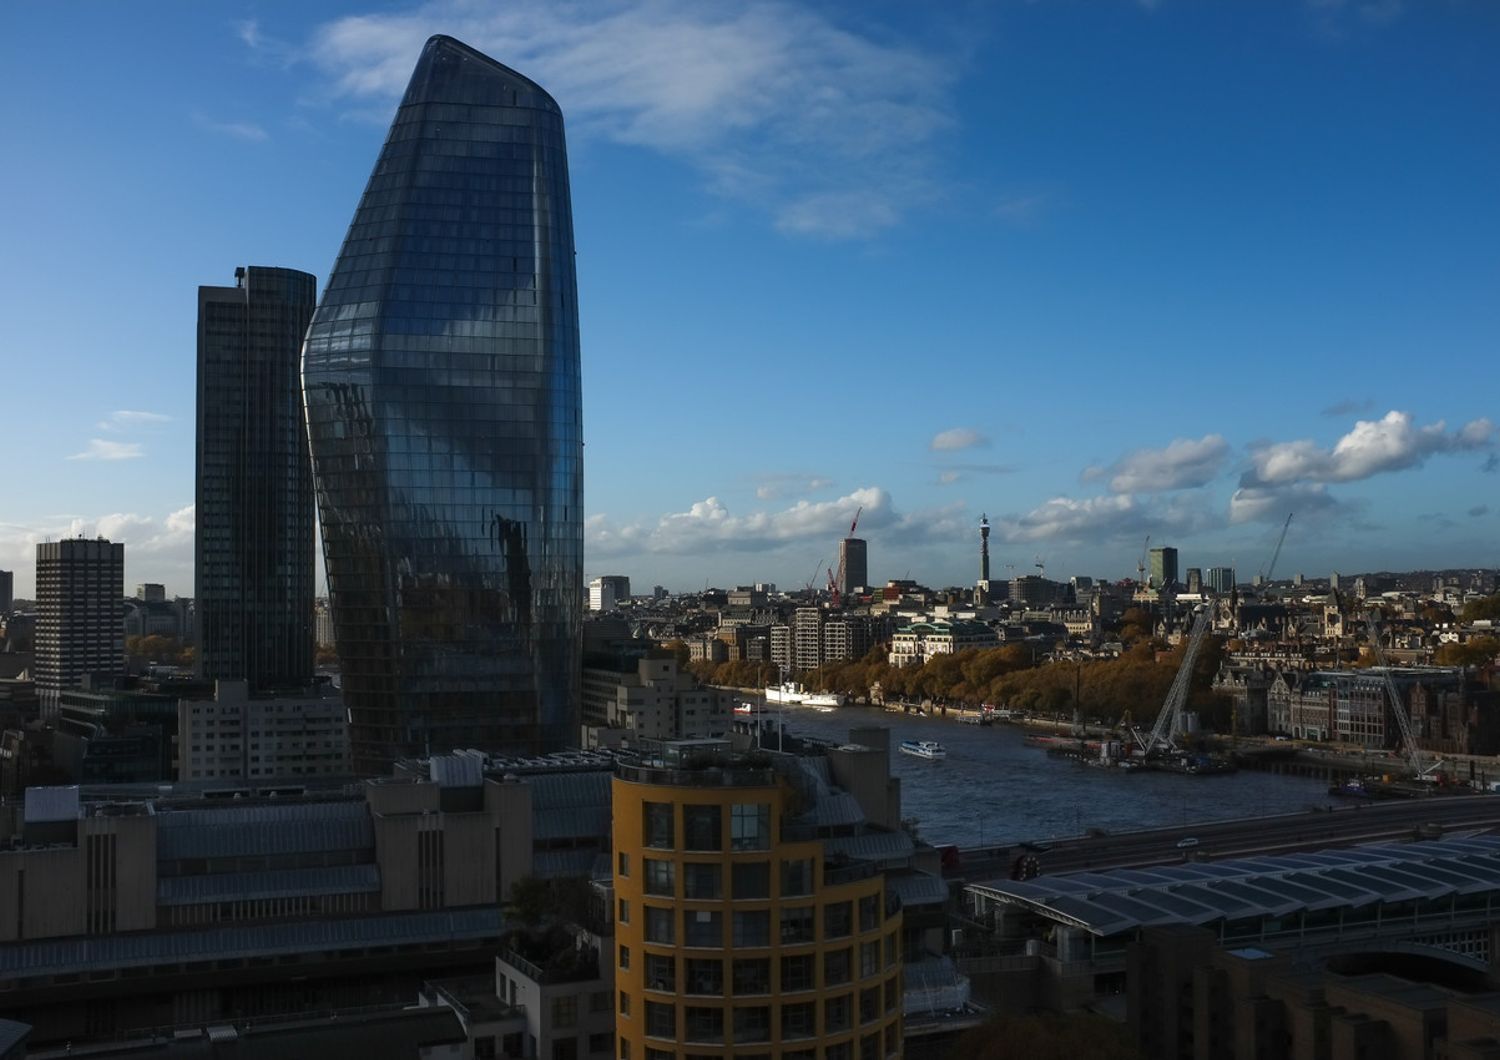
x=441 y=374
x=254 y=551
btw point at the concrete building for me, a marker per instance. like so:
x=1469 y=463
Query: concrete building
x=608 y=592
x=635 y=695
x=1354 y=706
x=151 y=592
x=854 y=562
x=147 y=906
x=323 y=624
x=807 y=638
x=80 y=623
x=847 y=637
x=780 y=639
x=7 y=591
x=914 y=644
x=1163 y=570
x=1189 y=998
x=742 y=926
x=253 y=550
x=1032 y=590
x=236 y=737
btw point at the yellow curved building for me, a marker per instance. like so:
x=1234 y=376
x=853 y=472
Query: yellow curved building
x=734 y=937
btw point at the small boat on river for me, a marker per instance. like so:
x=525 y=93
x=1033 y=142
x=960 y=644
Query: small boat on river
x=923 y=749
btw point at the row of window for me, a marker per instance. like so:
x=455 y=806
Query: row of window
x=704 y=881
x=703 y=826
x=752 y=927
x=869 y=1049
x=751 y=976
x=751 y=1024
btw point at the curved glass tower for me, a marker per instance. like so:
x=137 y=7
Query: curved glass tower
x=444 y=410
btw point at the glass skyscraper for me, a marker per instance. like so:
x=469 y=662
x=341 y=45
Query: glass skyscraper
x=254 y=551
x=441 y=375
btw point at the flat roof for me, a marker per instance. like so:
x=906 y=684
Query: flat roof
x=1110 y=902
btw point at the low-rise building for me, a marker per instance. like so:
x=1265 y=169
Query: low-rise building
x=912 y=645
x=235 y=736
x=646 y=696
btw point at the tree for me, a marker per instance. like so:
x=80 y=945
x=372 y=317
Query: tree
x=530 y=900
x=1479 y=610
x=1476 y=651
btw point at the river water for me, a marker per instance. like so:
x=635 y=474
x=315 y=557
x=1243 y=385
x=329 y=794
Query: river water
x=992 y=789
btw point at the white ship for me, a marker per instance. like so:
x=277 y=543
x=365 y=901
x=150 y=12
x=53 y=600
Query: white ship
x=923 y=749
x=824 y=700
x=788 y=693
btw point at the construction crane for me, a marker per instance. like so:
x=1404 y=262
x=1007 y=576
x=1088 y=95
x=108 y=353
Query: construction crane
x=1041 y=565
x=1169 y=718
x=1270 y=570
x=836 y=582
x=1408 y=736
x=1140 y=567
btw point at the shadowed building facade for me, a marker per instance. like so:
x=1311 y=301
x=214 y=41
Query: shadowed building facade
x=441 y=374
x=253 y=551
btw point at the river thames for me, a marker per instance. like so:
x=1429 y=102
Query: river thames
x=992 y=789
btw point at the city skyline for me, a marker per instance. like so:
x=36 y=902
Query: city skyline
x=1251 y=288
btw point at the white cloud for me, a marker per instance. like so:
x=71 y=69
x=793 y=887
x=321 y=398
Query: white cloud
x=956 y=438
x=1023 y=211
x=826 y=129
x=1260 y=503
x=775 y=485
x=948 y=478
x=104 y=449
x=1392 y=443
x=157 y=549
x=248 y=31
x=129 y=419
x=1184 y=464
x=240 y=130
x=1097 y=519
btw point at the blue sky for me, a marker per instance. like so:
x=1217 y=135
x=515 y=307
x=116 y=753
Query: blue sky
x=1098 y=268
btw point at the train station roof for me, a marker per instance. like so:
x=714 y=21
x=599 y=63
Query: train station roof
x=1114 y=901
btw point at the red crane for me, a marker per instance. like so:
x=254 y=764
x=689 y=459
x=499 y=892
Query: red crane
x=835 y=581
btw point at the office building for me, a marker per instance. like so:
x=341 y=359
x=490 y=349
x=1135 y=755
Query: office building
x=741 y=924
x=232 y=901
x=1219 y=579
x=253 y=552
x=151 y=592
x=1163 y=567
x=7 y=591
x=80 y=612
x=608 y=592
x=854 y=564
x=235 y=737
x=1194 y=580
x=441 y=374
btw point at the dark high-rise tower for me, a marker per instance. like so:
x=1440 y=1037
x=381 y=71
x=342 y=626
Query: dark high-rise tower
x=441 y=374
x=854 y=563
x=254 y=551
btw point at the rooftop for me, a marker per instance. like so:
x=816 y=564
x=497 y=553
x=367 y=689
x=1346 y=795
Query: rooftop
x=1122 y=900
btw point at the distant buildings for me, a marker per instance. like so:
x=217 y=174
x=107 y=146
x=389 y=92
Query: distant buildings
x=442 y=381
x=253 y=551
x=80 y=623
x=608 y=592
x=914 y=644
x=151 y=592
x=1219 y=579
x=1163 y=567
x=7 y=590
